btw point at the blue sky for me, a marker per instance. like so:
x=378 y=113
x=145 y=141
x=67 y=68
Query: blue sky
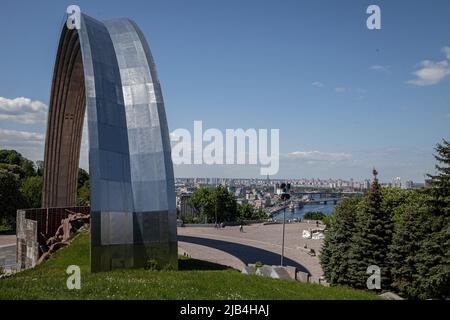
x=345 y=98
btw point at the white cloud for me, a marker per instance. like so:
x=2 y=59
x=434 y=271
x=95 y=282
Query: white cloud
x=30 y=144
x=320 y=156
x=430 y=73
x=380 y=68
x=360 y=92
x=23 y=110
x=355 y=92
x=446 y=51
x=318 y=84
x=22 y=138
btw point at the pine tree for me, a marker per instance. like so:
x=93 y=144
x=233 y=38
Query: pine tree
x=335 y=251
x=371 y=240
x=433 y=264
x=408 y=234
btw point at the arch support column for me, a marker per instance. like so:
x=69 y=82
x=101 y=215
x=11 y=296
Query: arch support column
x=106 y=71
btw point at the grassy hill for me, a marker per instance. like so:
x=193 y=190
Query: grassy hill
x=195 y=280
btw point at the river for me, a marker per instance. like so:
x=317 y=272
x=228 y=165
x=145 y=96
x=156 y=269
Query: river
x=298 y=213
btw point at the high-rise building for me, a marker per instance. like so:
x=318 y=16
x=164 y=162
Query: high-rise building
x=184 y=207
x=397 y=182
x=409 y=184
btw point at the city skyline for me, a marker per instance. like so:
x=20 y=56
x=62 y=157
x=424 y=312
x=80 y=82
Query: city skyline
x=397 y=182
x=345 y=98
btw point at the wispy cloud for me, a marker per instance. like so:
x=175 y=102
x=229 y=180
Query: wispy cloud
x=320 y=156
x=356 y=92
x=340 y=89
x=446 y=51
x=380 y=68
x=30 y=144
x=10 y=138
x=318 y=84
x=431 y=72
x=22 y=110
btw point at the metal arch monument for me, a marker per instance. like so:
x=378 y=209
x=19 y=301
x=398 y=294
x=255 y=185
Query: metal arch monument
x=106 y=70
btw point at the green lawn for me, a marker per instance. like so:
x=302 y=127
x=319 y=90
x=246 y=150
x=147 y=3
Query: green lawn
x=195 y=280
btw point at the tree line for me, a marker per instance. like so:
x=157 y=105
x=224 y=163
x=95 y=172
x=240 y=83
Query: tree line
x=219 y=205
x=406 y=233
x=21 y=182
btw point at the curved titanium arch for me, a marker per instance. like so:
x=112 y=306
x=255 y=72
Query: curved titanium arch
x=106 y=70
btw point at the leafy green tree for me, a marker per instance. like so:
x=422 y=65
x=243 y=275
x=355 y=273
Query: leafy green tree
x=214 y=201
x=10 y=197
x=84 y=194
x=247 y=211
x=13 y=157
x=259 y=215
x=83 y=176
x=225 y=204
x=314 y=215
x=334 y=256
x=28 y=168
x=10 y=157
x=13 y=168
x=40 y=168
x=84 y=189
x=32 y=191
x=200 y=200
x=371 y=240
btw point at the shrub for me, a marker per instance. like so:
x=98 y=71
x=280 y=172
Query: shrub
x=314 y=215
x=152 y=265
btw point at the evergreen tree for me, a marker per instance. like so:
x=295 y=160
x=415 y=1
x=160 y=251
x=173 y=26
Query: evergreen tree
x=408 y=234
x=433 y=265
x=371 y=240
x=334 y=256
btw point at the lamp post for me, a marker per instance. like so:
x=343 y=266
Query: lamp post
x=215 y=211
x=284 y=196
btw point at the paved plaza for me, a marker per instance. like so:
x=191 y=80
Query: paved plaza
x=258 y=242
x=230 y=247
x=7 y=250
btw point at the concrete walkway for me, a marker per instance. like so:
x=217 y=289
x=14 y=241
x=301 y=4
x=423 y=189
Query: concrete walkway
x=7 y=251
x=8 y=256
x=7 y=240
x=258 y=242
x=229 y=246
x=210 y=254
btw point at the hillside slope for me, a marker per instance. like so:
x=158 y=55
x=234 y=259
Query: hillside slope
x=195 y=280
